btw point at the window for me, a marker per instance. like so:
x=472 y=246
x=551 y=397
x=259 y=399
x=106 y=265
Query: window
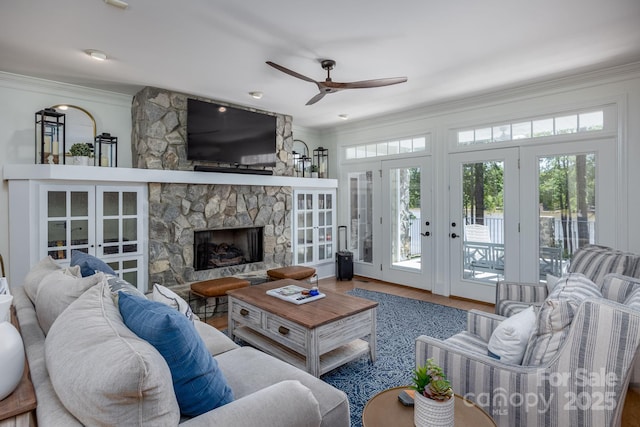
x=536 y=128
x=386 y=148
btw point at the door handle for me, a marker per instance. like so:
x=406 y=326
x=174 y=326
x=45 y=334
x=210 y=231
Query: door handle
x=454 y=235
x=426 y=233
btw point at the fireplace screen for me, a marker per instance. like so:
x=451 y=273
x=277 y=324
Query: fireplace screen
x=227 y=247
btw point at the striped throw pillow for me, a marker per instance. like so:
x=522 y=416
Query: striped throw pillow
x=555 y=317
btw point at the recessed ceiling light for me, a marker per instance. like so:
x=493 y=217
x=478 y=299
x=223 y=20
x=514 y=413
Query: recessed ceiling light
x=343 y=116
x=117 y=3
x=96 y=54
x=256 y=94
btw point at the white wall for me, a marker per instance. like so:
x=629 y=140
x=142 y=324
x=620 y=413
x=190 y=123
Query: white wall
x=21 y=97
x=620 y=85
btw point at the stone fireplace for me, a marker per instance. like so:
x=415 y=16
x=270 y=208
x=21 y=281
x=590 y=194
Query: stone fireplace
x=177 y=211
x=227 y=247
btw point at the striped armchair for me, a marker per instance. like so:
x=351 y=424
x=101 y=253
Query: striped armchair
x=584 y=383
x=593 y=261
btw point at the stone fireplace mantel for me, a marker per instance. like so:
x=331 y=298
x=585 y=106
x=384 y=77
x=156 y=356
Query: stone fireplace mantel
x=132 y=175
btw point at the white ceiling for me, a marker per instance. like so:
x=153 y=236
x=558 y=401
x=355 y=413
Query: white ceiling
x=217 y=49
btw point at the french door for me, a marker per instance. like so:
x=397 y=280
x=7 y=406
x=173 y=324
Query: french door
x=483 y=221
x=407 y=251
x=518 y=214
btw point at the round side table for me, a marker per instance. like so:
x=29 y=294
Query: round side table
x=384 y=409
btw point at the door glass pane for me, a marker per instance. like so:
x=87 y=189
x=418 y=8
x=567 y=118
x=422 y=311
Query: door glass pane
x=110 y=230
x=405 y=217
x=56 y=204
x=129 y=229
x=483 y=213
x=129 y=203
x=79 y=203
x=567 y=211
x=80 y=232
x=361 y=215
x=110 y=203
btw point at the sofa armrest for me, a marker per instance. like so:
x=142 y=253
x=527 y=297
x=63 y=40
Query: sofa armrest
x=482 y=323
x=284 y=404
x=215 y=341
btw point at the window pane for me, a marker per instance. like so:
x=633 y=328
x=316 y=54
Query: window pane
x=361 y=152
x=371 y=150
x=419 y=144
x=542 y=127
x=406 y=146
x=394 y=147
x=521 y=130
x=483 y=135
x=502 y=133
x=382 y=149
x=350 y=153
x=465 y=137
x=591 y=121
x=566 y=124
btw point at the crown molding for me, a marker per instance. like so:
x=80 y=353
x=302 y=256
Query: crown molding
x=33 y=84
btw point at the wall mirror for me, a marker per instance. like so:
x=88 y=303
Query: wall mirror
x=300 y=147
x=80 y=124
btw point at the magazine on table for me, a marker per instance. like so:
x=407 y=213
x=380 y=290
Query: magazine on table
x=293 y=293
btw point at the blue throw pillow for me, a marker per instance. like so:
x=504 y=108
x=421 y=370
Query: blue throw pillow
x=89 y=264
x=198 y=383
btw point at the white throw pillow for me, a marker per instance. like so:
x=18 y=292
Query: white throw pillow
x=509 y=340
x=170 y=298
x=551 y=282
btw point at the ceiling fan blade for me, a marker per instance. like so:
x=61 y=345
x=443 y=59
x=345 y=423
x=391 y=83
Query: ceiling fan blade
x=316 y=98
x=365 y=83
x=290 y=72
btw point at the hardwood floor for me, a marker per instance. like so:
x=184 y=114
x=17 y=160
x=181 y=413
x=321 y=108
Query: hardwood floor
x=631 y=411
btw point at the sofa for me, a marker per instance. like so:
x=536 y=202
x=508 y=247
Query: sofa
x=89 y=368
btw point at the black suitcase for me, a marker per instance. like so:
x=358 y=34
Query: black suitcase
x=344 y=258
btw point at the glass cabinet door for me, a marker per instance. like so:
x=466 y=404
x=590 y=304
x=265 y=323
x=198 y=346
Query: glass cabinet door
x=314 y=226
x=120 y=221
x=68 y=221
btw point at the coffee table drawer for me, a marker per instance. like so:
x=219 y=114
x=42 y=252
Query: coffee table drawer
x=287 y=333
x=246 y=313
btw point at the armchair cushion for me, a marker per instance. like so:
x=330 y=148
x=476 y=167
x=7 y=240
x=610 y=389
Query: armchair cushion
x=198 y=383
x=509 y=340
x=595 y=262
x=556 y=315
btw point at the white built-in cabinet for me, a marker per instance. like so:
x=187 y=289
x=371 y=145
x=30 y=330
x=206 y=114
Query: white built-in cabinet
x=107 y=221
x=104 y=221
x=314 y=217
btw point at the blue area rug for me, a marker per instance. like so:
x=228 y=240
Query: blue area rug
x=400 y=321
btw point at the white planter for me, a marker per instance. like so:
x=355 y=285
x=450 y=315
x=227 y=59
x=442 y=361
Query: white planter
x=11 y=358
x=433 y=413
x=81 y=160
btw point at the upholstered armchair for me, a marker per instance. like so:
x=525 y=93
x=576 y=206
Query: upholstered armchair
x=594 y=261
x=584 y=383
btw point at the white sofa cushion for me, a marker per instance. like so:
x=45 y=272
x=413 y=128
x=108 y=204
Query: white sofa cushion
x=36 y=274
x=95 y=361
x=57 y=291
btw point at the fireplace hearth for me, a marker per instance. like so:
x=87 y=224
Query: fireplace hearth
x=228 y=246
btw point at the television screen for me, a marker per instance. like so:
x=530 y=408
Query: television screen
x=222 y=134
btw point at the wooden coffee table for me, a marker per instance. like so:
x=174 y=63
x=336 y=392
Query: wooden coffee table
x=317 y=336
x=384 y=409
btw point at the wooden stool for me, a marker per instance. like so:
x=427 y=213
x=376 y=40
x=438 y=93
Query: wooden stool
x=215 y=288
x=295 y=272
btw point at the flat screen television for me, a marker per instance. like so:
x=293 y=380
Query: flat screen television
x=222 y=134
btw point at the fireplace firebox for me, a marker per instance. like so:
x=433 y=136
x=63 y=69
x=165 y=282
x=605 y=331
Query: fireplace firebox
x=228 y=246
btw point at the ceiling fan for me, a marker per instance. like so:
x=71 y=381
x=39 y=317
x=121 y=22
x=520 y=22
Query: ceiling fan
x=329 y=86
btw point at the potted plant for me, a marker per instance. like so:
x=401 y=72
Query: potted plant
x=314 y=171
x=433 y=402
x=80 y=151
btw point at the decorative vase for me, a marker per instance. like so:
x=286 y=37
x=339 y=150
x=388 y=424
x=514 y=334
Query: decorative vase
x=433 y=413
x=11 y=358
x=81 y=160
